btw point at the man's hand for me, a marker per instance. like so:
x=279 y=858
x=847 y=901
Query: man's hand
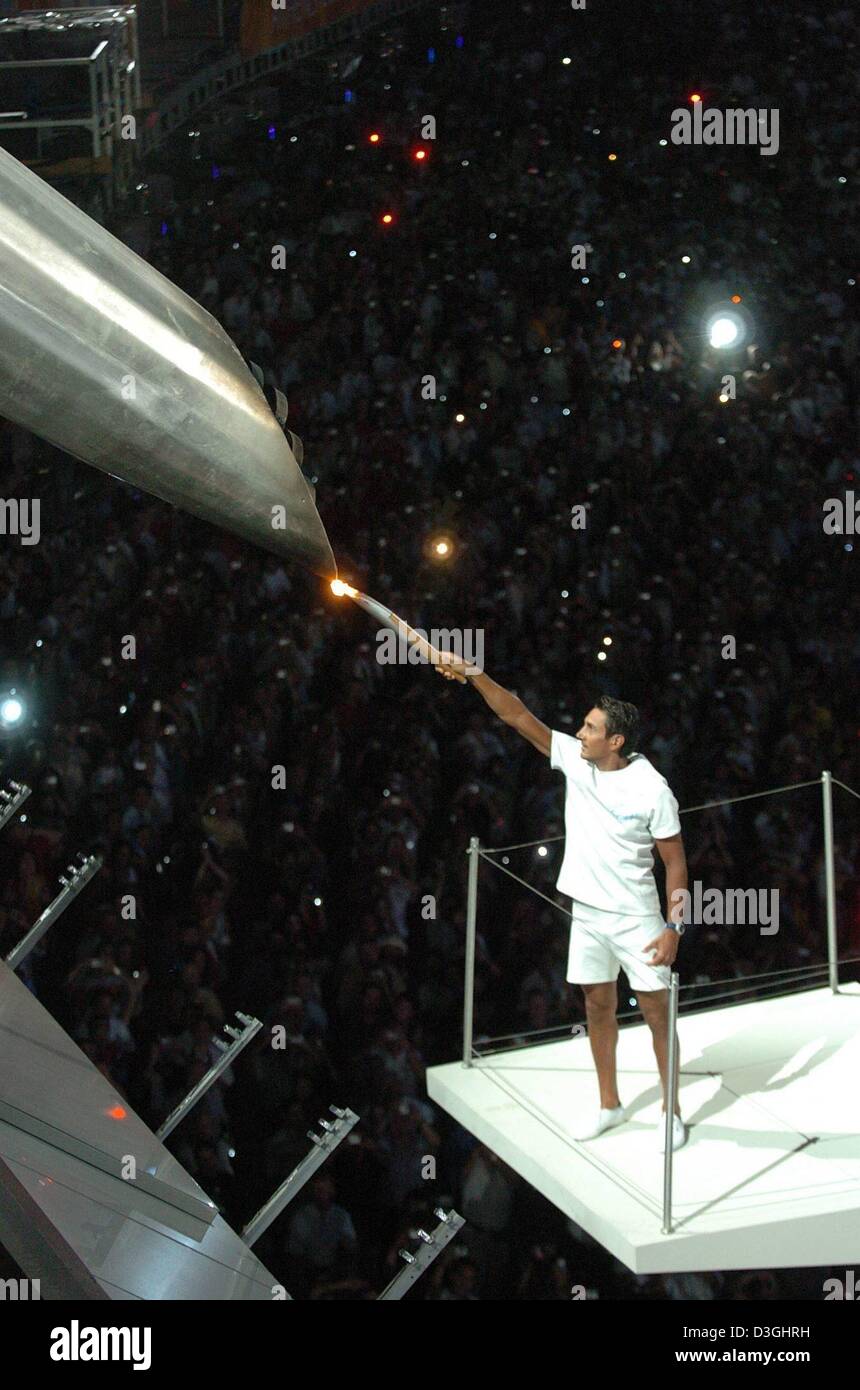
x=452 y=667
x=665 y=947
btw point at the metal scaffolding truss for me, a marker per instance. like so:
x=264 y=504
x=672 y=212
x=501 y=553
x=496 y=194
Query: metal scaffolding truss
x=111 y=70
x=234 y=71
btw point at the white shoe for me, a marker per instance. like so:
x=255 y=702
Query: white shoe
x=679 y=1133
x=606 y=1119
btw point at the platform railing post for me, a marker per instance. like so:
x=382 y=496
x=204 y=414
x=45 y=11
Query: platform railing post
x=830 y=880
x=471 y=932
x=671 y=1086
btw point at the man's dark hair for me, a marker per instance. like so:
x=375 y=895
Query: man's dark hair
x=621 y=718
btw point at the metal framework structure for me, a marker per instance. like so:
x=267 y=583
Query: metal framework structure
x=235 y=71
x=334 y=1133
x=111 y=68
x=12 y=800
x=113 y=71
x=74 y=1160
x=80 y=875
x=241 y=1037
x=450 y=1222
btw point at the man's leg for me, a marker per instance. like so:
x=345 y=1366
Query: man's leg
x=601 y=1008
x=654 y=1004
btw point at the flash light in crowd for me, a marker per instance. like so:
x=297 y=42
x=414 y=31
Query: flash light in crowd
x=543 y=851
x=601 y=656
x=386 y=219
x=723 y=332
x=694 y=97
x=419 y=155
x=12 y=711
x=727 y=327
x=374 y=138
x=440 y=547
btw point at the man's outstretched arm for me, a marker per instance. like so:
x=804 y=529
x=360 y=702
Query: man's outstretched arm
x=507 y=706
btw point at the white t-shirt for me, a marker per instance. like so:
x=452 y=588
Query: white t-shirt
x=611 y=821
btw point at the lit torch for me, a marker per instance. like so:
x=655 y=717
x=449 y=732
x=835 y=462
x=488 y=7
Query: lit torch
x=387 y=618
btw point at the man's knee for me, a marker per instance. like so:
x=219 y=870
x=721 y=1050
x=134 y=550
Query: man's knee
x=654 y=1004
x=601 y=998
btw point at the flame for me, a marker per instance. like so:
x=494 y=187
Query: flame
x=339 y=588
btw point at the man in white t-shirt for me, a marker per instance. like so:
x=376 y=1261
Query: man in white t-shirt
x=618 y=807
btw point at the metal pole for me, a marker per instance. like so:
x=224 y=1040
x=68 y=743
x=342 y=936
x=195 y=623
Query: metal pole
x=119 y=84
x=106 y=79
x=293 y=1184
x=671 y=1085
x=241 y=1038
x=135 y=53
x=471 y=920
x=81 y=875
x=94 y=111
x=830 y=880
x=12 y=801
x=450 y=1222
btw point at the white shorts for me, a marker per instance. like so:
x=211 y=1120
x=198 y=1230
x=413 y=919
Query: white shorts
x=603 y=942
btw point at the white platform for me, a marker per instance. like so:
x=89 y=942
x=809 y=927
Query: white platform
x=770 y=1174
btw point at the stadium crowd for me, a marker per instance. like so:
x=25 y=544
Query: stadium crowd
x=334 y=903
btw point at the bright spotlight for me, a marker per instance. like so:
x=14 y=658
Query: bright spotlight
x=723 y=332
x=726 y=330
x=11 y=712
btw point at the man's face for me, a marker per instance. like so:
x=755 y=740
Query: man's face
x=592 y=736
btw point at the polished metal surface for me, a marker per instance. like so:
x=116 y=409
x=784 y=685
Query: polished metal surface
x=106 y=358
x=74 y=1213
